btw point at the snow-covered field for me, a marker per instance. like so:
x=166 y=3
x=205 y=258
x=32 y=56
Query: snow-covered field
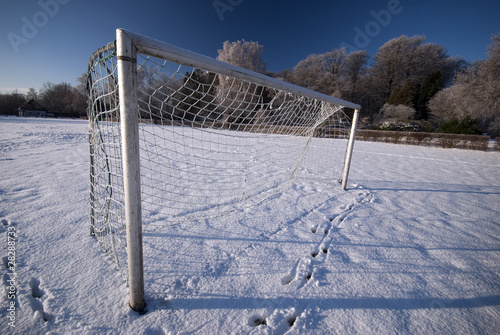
x=412 y=247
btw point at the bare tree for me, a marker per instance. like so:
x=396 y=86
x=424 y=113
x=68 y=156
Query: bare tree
x=9 y=103
x=63 y=99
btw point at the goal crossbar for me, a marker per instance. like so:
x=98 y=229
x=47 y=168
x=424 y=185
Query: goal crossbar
x=182 y=56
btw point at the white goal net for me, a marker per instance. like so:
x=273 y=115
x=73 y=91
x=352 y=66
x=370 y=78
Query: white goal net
x=209 y=142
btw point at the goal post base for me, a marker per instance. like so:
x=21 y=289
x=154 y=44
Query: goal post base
x=141 y=309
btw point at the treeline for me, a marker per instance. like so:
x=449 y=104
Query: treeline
x=409 y=85
x=61 y=99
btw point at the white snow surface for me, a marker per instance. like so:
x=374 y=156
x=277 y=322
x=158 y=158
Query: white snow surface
x=412 y=247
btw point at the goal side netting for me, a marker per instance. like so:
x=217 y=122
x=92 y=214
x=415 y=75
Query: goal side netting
x=210 y=142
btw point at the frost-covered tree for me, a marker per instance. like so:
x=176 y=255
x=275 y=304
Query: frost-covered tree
x=353 y=70
x=240 y=100
x=475 y=94
x=31 y=95
x=321 y=72
x=407 y=60
x=492 y=63
x=392 y=113
x=245 y=54
x=393 y=64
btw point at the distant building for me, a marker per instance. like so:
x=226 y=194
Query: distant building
x=36 y=113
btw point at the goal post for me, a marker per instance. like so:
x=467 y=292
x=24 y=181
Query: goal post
x=176 y=136
x=350 y=147
x=129 y=118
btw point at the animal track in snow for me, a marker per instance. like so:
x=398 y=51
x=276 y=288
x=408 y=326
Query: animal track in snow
x=37 y=305
x=288 y=278
x=257 y=320
x=279 y=322
x=36 y=292
x=4 y=225
x=5 y=261
x=303 y=270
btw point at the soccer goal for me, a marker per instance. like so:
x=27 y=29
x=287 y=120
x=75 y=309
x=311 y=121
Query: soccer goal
x=178 y=137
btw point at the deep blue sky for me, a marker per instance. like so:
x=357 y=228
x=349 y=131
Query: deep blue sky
x=65 y=36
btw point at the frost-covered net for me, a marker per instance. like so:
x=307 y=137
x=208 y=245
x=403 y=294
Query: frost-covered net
x=209 y=144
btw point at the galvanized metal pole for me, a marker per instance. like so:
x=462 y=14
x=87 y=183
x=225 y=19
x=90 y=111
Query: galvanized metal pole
x=350 y=146
x=127 y=84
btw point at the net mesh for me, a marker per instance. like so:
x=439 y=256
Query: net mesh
x=209 y=144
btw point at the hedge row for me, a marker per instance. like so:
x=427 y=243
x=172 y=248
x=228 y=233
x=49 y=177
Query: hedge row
x=473 y=142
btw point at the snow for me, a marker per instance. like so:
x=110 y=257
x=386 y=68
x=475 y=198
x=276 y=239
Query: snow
x=413 y=246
